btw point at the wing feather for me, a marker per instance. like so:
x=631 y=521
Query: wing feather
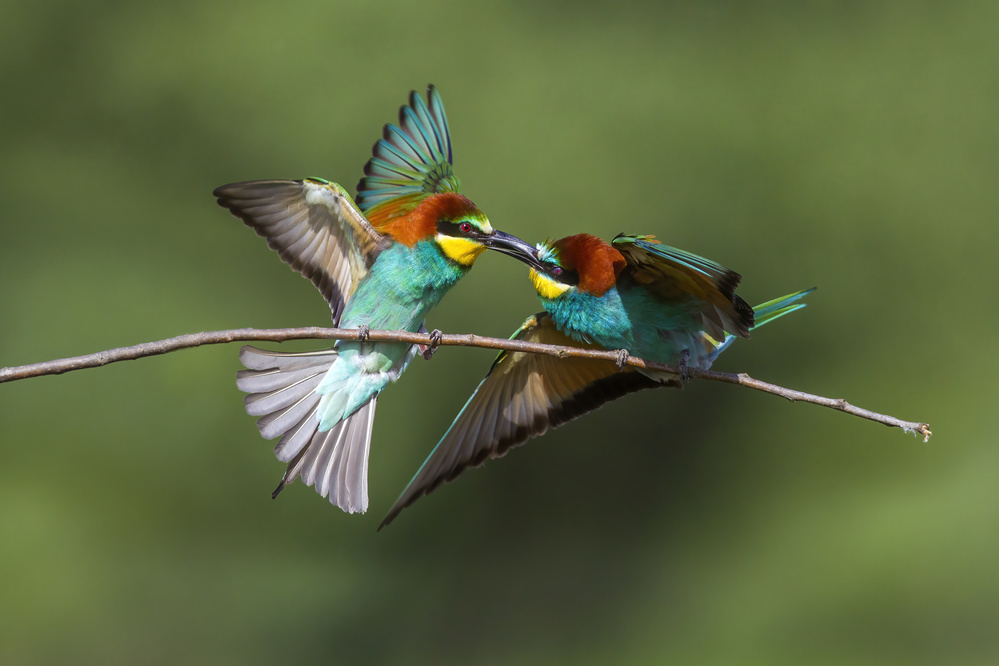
x=522 y=396
x=410 y=162
x=677 y=275
x=315 y=228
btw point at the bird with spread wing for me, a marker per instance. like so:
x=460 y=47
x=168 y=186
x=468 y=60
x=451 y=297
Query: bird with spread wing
x=381 y=263
x=634 y=294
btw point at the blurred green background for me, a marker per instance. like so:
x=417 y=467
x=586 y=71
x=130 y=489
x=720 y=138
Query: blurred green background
x=853 y=146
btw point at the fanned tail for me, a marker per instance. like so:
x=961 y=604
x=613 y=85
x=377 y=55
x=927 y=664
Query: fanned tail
x=282 y=391
x=335 y=462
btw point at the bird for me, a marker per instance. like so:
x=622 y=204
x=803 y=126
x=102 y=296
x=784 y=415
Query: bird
x=381 y=262
x=633 y=294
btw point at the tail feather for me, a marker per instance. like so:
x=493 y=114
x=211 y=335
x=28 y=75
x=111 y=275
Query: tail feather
x=263 y=359
x=764 y=314
x=336 y=461
x=258 y=404
x=284 y=419
x=296 y=438
x=267 y=381
x=778 y=307
x=282 y=391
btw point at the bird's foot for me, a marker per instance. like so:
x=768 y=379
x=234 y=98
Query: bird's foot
x=684 y=368
x=435 y=339
x=363 y=331
x=622 y=358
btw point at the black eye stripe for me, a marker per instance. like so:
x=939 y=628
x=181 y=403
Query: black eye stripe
x=562 y=275
x=455 y=228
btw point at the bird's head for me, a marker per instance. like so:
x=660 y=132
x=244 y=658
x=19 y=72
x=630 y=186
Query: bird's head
x=581 y=262
x=458 y=227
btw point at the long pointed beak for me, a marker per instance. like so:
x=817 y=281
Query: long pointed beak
x=513 y=246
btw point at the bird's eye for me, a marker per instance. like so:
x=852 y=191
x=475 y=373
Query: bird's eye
x=556 y=271
x=465 y=227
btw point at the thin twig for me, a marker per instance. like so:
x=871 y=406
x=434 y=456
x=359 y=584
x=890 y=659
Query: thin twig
x=314 y=332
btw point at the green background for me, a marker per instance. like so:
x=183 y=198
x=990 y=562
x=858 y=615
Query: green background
x=849 y=145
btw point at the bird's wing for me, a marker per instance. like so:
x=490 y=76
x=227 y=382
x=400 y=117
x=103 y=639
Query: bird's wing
x=410 y=162
x=522 y=396
x=676 y=275
x=315 y=228
x=764 y=313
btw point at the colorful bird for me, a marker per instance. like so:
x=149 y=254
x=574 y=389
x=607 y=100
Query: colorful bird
x=634 y=294
x=381 y=263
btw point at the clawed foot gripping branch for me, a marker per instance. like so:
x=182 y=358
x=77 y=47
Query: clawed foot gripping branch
x=432 y=341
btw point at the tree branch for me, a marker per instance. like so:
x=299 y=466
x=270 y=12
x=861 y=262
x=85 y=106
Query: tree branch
x=98 y=359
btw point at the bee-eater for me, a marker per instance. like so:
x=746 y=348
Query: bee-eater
x=381 y=263
x=633 y=294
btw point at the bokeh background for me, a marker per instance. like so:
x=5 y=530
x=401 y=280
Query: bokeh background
x=853 y=146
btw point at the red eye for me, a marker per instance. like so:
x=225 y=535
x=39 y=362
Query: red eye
x=556 y=271
x=465 y=227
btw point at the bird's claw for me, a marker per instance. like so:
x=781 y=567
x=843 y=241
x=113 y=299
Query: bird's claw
x=363 y=331
x=684 y=368
x=622 y=358
x=435 y=339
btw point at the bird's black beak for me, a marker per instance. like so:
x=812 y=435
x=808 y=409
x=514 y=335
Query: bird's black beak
x=513 y=246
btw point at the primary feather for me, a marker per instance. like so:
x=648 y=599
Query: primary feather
x=314 y=227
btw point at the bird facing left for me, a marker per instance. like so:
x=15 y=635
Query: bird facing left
x=381 y=263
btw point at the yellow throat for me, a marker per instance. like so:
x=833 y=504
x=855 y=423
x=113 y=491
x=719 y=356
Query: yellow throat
x=460 y=250
x=546 y=287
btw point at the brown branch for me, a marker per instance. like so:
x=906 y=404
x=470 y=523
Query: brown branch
x=281 y=334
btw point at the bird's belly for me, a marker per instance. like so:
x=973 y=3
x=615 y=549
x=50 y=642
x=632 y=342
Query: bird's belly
x=361 y=371
x=668 y=345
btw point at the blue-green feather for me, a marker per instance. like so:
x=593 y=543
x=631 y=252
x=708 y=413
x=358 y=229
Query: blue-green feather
x=403 y=285
x=778 y=307
x=695 y=262
x=410 y=161
x=629 y=317
x=765 y=313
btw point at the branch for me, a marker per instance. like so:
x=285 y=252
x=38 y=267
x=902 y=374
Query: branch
x=60 y=366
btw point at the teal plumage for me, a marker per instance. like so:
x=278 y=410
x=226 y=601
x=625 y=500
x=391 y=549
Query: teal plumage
x=658 y=303
x=636 y=294
x=409 y=161
x=389 y=299
x=381 y=263
x=764 y=313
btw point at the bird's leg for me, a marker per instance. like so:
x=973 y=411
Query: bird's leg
x=684 y=369
x=435 y=339
x=363 y=331
x=622 y=358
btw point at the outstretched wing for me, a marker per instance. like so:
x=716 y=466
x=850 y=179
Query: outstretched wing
x=315 y=228
x=522 y=396
x=411 y=161
x=676 y=275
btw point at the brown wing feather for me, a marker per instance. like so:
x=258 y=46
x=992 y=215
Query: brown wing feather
x=677 y=275
x=522 y=396
x=315 y=228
